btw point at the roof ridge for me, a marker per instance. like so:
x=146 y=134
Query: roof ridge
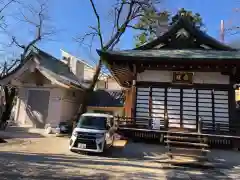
x=52 y=57
x=184 y=21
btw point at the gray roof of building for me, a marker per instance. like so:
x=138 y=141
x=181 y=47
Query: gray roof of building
x=106 y=98
x=50 y=66
x=56 y=68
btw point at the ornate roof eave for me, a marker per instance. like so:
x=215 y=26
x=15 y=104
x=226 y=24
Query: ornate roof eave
x=168 y=56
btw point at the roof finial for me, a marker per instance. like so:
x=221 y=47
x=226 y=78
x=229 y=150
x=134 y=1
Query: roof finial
x=182 y=14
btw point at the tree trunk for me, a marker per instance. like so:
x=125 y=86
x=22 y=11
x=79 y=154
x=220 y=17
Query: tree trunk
x=9 y=97
x=85 y=96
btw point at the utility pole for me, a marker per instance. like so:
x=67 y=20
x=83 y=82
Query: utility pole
x=222 y=31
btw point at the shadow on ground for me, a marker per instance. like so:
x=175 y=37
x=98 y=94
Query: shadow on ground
x=2 y=140
x=19 y=132
x=44 y=166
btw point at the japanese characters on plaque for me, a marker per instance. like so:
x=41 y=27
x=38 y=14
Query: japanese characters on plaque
x=182 y=77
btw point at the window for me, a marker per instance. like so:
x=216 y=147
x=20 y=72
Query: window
x=102 y=111
x=92 y=122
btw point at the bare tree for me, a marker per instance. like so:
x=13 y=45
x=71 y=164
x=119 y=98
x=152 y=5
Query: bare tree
x=124 y=12
x=37 y=24
x=3 y=7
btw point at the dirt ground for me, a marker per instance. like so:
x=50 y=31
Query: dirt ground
x=37 y=157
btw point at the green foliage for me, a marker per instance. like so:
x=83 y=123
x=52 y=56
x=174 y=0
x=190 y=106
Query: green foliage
x=148 y=23
x=196 y=19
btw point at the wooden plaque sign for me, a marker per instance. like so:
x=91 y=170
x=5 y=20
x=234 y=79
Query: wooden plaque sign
x=237 y=94
x=183 y=77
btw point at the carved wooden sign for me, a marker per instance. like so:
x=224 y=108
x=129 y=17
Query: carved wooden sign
x=183 y=77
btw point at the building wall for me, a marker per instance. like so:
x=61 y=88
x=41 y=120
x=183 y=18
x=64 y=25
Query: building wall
x=54 y=109
x=182 y=104
x=199 y=77
x=61 y=105
x=85 y=73
x=112 y=84
x=70 y=103
x=34 y=78
x=20 y=112
x=21 y=116
x=75 y=66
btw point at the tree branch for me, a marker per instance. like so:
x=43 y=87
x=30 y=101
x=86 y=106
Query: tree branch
x=115 y=39
x=16 y=43
x=38 y=28
x=119 y=13
x=26 y=19
x=81 y=39
x=141 y=28
x=6 y=5
x=98 y=24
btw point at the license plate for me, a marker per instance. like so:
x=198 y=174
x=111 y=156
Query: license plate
x=82 y=146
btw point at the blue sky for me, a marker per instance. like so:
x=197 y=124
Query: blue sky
x=72 y=18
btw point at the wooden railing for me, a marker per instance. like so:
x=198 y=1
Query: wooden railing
x=201 y=127
x=219 y=136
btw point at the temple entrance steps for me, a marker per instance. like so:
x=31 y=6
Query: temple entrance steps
x=186 y=145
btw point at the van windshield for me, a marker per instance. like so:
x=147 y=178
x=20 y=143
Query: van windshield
x=92 y=122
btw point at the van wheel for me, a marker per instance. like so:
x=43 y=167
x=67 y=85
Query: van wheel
x=105 y=150
x=73 y=151
x=105 y=146
x=113 y=139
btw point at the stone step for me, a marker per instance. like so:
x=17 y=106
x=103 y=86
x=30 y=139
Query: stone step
x=194 y=156
x=186 y=143
x=182 y=138
x=189 y=149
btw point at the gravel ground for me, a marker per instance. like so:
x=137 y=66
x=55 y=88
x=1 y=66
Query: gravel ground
x=49 y=158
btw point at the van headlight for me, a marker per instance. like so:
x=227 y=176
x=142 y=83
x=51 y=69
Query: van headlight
x=75 y=133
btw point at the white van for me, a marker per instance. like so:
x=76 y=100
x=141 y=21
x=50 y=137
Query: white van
x=94 y=133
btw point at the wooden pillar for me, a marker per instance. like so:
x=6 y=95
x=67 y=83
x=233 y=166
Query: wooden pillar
x=150 y=109
x=234 y=112
x=166 y=120
x=133 y=100
x=127 y=103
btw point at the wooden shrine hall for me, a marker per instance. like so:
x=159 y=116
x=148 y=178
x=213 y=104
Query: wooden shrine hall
x=183 y=81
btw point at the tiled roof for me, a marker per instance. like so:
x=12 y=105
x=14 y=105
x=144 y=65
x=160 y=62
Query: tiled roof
x=106 y=98
x=50 y=67
x=178 y=54
x=56 y=69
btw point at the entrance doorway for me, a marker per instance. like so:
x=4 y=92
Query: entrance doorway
x=37 y=107
x=183 y=107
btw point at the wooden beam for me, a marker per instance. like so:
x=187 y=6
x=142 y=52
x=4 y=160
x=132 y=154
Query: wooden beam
x=186 y=67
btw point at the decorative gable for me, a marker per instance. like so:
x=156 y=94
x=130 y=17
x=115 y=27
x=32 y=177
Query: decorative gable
x=184 y=35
